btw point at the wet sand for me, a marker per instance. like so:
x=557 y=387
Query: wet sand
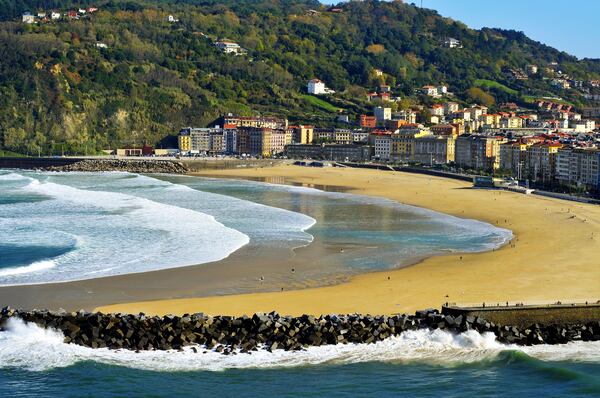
x=247 y=270
x=553 y=256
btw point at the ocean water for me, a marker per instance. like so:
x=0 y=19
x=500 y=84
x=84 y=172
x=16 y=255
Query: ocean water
x=57 y=227
x=35 y=362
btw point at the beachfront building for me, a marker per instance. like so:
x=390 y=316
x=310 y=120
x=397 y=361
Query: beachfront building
x=230 y=139
x=335 y=152
x=266 y=142
x=432 y=149
x=382 y=145
x=184 y=141
x=541 y=161
x=478 y=152
x=403 y=142
x=255 y=141
x=513 y=157
x=578 y=166
x=201 y=140
x=302 y=134
x=337 y=136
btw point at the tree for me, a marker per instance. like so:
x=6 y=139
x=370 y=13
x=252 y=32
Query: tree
x=477 y=95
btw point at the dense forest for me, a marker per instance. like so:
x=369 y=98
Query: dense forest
x=125 y=75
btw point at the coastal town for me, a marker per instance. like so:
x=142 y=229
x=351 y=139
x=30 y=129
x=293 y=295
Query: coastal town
x=546 y=142
x=299 y=198
x=552 y=145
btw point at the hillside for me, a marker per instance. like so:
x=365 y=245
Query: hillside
x=125 y=75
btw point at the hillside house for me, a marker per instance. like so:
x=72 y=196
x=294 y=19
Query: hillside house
x=451 y=42
x=317 y=87
x=229 y=47
x=28 y=18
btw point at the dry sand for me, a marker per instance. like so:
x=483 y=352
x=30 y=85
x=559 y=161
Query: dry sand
x=554 y=255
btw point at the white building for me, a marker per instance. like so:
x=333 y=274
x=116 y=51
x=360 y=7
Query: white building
x=382 y=114
x=343 y=119
x=450 y=107
x=431 y=91
x=229 y=47
x=561 y=83
x=171 y=18
x=476 y=111
x=437 y=110
x=584 y=126
x=28 y=18
x=317 y=87
x=101 y=45
x=408 y=115
x=55 y=15
x=451 y=42
x=382 y=144
x=532 y=69
x=360 y=136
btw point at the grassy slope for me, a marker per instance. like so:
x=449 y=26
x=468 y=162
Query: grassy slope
x=319 y=103
x=493 y=84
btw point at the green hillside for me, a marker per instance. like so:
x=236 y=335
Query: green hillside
x=59 y=90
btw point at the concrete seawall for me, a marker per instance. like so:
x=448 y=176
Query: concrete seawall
x=132 y=165
x=409 y=169
x=35 y=163
x=136 y=164
x=527 y=315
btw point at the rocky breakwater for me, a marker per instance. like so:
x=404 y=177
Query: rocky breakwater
x=230 y=335
x=131 y=166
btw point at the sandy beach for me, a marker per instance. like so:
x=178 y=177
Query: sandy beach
x=552 y=257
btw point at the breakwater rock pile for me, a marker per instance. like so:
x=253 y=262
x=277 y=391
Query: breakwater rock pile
x=271 y=331
x=132 y=166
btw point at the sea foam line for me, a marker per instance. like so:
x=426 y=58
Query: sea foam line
x=213 y=241
x=29 y=347
x=33 y=267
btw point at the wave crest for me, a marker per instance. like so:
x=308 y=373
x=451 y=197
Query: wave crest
x=27 y=346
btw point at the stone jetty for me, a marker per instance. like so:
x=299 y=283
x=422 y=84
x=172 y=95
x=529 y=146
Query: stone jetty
x=272 y=331
x=131 y=166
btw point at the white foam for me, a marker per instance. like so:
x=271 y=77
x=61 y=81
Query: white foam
x=30 y=347
x=165 y=236
x=460 y=228
x=12 y=177
x=33 y=267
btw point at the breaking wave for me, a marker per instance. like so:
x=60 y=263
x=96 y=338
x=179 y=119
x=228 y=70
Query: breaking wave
x=29 y=347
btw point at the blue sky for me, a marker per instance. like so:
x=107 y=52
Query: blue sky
x=571 y=26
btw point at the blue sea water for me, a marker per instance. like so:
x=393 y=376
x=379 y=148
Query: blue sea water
x=35 y=362
x=56 y=227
